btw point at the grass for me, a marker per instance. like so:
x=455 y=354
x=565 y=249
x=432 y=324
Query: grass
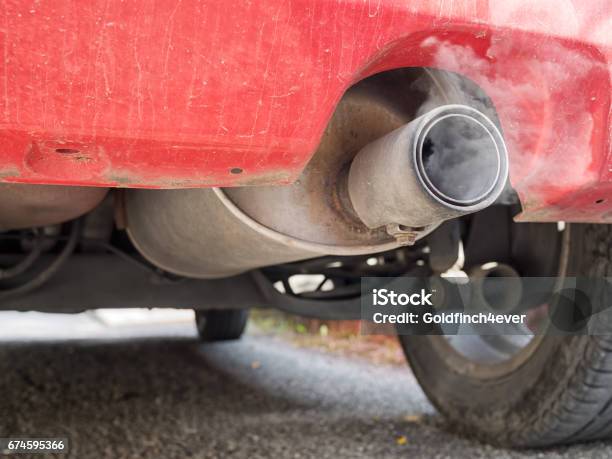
x=337 y=337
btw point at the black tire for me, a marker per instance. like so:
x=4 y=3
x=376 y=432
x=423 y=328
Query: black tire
x=221 y=325
x=556 y=390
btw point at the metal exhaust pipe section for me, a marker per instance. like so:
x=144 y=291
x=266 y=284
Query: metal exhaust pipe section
x=496 y=287
x=449 y=162
x=27 y=206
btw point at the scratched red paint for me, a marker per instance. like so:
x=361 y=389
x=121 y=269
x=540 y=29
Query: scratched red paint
x=177 y=93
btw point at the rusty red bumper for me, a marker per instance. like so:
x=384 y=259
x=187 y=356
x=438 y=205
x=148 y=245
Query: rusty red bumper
x=203 y=93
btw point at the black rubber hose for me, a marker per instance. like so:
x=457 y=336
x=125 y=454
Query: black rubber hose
x=49 y=271
x=25 y=263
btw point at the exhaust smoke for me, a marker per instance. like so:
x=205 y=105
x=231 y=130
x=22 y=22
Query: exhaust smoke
x=458 y=160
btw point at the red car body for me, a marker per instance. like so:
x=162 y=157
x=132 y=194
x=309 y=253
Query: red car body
x=170 y=94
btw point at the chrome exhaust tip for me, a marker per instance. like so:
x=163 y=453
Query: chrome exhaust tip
x=449 y=162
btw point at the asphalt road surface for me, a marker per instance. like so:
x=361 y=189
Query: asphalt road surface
x=153 y=391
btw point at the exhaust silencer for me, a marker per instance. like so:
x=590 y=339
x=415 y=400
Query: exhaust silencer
x=449 y=162
x=446 y=163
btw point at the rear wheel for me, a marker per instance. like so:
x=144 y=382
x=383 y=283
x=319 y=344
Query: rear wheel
x=221 y=325
x=553 y=390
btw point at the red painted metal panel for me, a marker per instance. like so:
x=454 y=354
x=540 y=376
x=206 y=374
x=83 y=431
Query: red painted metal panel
x=179 y=93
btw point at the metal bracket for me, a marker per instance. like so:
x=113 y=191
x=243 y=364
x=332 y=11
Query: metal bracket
x=404 y=235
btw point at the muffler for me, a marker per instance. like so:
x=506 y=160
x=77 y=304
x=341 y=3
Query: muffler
x=446 y=163
x=27 y=206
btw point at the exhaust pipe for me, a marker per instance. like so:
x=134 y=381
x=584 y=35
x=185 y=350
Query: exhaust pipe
x=496 y=287
x=448 y=162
